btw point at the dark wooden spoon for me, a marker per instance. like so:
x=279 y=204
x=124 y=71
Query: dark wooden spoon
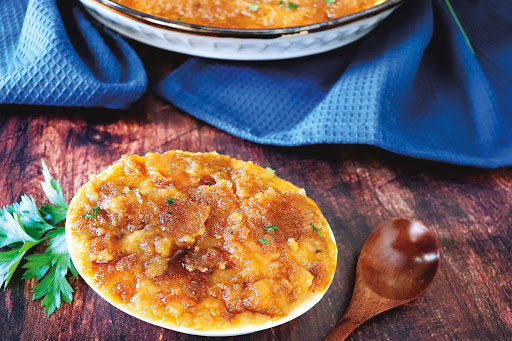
x=397 y=263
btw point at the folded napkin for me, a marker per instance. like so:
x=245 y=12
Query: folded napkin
x=412 y=86
x=39 y=64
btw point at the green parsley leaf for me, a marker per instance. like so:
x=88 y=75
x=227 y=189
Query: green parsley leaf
x=37 y=267
x=269 y=229
x=9 y=261
x=11 y=230
x=330 y=1
x=52 y=189
x=9 y=209
x=291 y=5
x=52 y=266
x=316 y=229
x=263 y=241
x=13 y=234
x=94 y=210
x=281 y=3
x=169 y=202
x=52 y=213
x=254 y=7
x=458 y=23
x=178 y=19
x=30 y=217
x=22 y=226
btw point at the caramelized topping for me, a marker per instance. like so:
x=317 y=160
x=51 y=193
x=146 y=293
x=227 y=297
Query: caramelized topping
x=250 y=14
x=200 y=240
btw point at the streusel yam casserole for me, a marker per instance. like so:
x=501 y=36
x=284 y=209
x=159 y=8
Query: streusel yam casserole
x=201 y=241
x=250 y=14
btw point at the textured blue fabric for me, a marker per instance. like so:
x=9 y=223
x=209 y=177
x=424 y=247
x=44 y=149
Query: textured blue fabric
x=412 y=86
x=40 y=65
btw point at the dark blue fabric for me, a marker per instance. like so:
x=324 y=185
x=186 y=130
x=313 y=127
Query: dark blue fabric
x=40 y=65
x=412 y=86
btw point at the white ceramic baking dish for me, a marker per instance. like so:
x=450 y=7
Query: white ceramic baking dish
x=238 y=44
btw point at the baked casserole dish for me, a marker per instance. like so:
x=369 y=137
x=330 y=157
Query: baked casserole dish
x=200 y=243
x=243 y=29
x=249 y=14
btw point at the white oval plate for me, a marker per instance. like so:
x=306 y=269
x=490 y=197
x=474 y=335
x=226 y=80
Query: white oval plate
x=310 y=40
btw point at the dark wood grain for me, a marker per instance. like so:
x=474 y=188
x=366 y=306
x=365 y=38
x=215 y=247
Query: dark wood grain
x=357 y=187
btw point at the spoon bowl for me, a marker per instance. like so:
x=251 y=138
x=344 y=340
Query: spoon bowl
x=396 y=265
x=399 y=259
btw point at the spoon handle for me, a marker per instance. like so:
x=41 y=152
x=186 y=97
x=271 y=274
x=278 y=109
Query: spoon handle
x=343 y=329
x=364 y=305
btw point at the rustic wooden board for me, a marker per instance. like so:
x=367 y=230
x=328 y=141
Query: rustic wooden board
x=357 y=187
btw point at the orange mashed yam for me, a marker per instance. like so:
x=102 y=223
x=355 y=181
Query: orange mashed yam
x=249 y=14
x=201 y=241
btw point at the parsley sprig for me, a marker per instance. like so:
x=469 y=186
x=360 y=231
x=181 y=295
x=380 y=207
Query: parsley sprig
x=459 y=25
x=316 y=229
x=291 y=5
x=263 y=241
x=269 y=229
x=94 y=210
x=22 y=226
x=169 y=203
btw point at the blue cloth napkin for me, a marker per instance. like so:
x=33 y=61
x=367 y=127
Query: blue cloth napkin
x=412 y=86
x=39 y=64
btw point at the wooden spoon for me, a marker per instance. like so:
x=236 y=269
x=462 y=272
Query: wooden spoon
x=397 y=263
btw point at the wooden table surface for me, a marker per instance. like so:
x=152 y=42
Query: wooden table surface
x=357 y=187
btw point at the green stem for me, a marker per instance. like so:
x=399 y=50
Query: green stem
x=459 y=25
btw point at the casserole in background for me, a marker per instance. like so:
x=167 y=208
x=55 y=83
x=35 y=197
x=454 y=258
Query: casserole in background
x=238 y=44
